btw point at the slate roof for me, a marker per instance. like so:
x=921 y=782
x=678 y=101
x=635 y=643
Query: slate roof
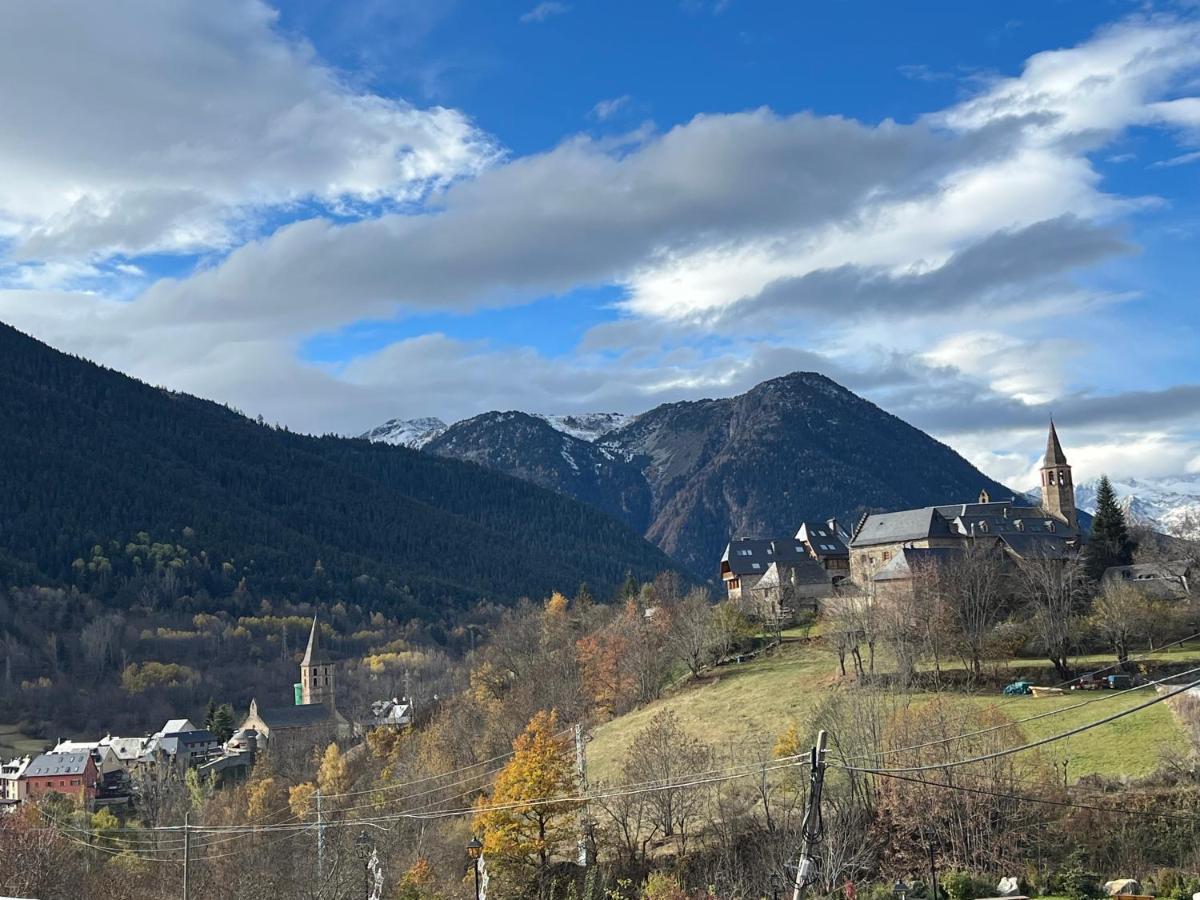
x=302 y=716
x=904 y=564
x=802 y=571
x=1034 y=545
x=1054 y=450
x=175 y=726
x=314 y=654
x=58 y=764
x=999 y=517
x=904 y=525
x=171 y=742
x=749 y=556
x=823 y=539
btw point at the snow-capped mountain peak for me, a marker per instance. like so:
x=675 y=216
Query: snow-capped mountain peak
x=1170 y=504
x=587 y=426
x=414 y=433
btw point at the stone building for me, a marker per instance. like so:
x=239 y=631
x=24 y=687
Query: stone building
x=881 y=549
x=769 y=578
x=313 y=719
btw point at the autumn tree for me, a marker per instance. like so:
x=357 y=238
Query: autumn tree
x=970 y=583
x=521 y=831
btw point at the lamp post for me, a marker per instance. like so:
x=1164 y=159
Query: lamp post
x=776 y=884
x=363 y=847
x=900 y=889
x=475 y=851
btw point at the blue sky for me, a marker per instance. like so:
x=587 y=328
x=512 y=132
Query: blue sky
x=333 y=213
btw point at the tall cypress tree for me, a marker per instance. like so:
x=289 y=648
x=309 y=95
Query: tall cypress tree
x=1109 y=543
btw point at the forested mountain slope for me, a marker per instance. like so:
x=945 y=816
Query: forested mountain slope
x=92 y=458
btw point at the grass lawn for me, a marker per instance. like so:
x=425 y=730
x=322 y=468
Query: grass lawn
x=741 y=706
x=14 y=743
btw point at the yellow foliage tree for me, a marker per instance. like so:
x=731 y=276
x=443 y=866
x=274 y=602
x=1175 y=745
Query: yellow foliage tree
x=516 y=829
x=300 y=799
x=333 y=775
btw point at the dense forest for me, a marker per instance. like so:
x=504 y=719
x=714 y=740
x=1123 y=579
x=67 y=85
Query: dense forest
x=92 y=459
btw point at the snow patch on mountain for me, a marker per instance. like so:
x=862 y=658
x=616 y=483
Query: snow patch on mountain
x=414 y=433
x=588 y=427
x=1169 y=504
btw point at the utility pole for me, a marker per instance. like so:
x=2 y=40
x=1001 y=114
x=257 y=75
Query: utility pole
x=581 y=771
x=933 y=882
x=187 y=856
x=320 y=845
x=806 y=869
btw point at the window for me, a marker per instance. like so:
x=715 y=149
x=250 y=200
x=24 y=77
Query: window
x=756 y=565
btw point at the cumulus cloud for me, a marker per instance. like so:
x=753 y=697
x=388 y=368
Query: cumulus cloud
x=152 y=126
x=744 y=245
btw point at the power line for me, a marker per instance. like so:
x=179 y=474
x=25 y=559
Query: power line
x=1034 y=718
x=1038 y=743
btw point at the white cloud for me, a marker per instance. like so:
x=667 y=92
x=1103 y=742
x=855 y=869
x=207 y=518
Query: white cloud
x=153 y=125
x=543 y=11
x=778 y=234
x=606 y=109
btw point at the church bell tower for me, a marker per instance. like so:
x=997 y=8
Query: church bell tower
x=316 y=671
x=1058 y=490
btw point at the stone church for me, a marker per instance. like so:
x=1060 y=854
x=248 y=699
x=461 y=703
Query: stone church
x=887 y=548
x=313 y=719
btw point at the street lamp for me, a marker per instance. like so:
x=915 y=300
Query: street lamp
x=900 y=889
x=363 y=847
x=475 y=851
x=776 y=885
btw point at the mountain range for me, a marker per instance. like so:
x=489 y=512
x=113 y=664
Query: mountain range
x=691 y=475
x=97 y=464
x=1168 y=504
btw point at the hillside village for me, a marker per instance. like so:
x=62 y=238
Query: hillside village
x=892 y=595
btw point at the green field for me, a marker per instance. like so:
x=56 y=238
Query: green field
x=741 y=707
x=14 y=743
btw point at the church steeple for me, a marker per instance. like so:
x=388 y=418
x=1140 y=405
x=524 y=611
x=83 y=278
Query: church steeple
x=1058 y=489
x=316 y=671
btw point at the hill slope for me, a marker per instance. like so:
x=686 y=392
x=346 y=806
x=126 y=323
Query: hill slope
x=92 y=457
x=690 y=475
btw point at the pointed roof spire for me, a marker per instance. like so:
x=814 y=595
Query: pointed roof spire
x=1054 y=450
x=313 y=654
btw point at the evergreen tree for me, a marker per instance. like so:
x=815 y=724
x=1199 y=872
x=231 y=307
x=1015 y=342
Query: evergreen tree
x=1109 y=543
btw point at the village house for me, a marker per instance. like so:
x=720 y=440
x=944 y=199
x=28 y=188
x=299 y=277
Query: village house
x=70 y=774
x=887 y=548
x=313 y=718
x=12 y=787
x=773 y=578
x=827 y=543
x=1157 y=580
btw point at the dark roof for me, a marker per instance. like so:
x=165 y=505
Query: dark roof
x=823 y=539
x=800 y=571
x=302 y=716
x=749 y=556
x=1054 y=450
x=955 y=520
x=903 y=565
x=313 y=654
x=58 y=764
x=904 y=525
x=171 y=742
x=1033 y=545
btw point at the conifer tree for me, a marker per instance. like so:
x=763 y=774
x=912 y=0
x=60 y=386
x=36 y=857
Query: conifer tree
x=1109 y=543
